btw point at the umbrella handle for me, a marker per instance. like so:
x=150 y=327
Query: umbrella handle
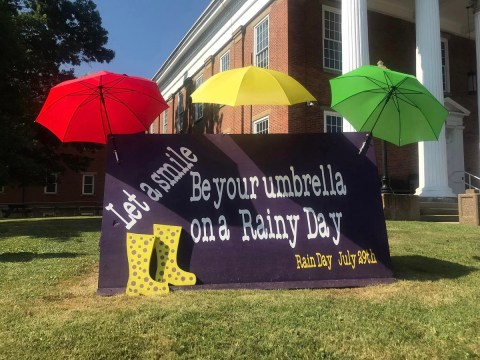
x=366 y=144
x=116 y=156
x=115 y=149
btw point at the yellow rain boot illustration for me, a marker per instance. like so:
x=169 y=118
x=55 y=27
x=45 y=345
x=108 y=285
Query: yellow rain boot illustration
x=139 y=252
x=166 y=244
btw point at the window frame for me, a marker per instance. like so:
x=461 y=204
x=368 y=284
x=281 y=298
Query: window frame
x=55 y=184
x=326 y=64
x=84 y=176
x=151 y=129
x=266 y=49
x=165 y=121
x=326 y=126
x=257 y=124
x=180 y=112
x=225 y=55
x=198 y=107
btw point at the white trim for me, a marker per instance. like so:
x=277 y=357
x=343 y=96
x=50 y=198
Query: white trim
x=222 y=61
x=256 y=123
x=84 y=175
x=455 y=108
x=333 y=114
x=338 y=12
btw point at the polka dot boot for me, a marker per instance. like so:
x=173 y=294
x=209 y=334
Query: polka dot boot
x=166 y=243
x=139 y=251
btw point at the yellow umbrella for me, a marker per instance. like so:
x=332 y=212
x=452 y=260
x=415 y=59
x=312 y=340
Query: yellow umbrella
x=251 y=85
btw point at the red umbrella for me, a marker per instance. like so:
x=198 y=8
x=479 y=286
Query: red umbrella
x=90 y=108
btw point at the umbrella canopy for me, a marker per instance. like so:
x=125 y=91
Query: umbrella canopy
x=390 y=105
x=90 y=108
x=251 y=85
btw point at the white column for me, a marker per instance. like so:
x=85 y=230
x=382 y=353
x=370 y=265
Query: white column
x=476 y=11
x=432 y=155
x=354 y=39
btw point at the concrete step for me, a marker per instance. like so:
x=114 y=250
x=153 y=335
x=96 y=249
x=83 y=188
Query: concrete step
x=439 y=218
x=438 y=209
x=438 y=205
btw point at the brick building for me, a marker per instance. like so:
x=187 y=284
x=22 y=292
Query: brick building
x=308 y=40
x=69 y=193
x=311 y=41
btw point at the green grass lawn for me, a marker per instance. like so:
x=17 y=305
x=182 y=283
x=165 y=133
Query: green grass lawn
x=49 y=309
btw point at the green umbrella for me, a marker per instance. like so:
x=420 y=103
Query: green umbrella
x=387 y=104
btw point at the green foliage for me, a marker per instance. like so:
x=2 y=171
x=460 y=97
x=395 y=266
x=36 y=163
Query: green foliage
x=41 y=41
x=48 y=280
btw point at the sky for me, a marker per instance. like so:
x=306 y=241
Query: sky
x=143 y=33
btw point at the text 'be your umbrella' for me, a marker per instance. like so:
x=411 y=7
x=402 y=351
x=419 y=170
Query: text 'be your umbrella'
x=272 y=226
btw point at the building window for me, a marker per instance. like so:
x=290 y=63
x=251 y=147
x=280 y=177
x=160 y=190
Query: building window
x=261 y=44
x=51 y=184
x=2 y=189
x=151 y=130
x=165 y=121
x=198 y=107
x=333 y=122
x=445 y=66
x=88 y=184
x=332 y=39
x=261 y=126
x=180 y=112
x=225 y=61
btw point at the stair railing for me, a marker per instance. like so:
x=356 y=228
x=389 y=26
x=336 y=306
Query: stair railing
x=472 y=181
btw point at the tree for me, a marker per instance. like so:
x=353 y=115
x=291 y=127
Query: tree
x=41 y=42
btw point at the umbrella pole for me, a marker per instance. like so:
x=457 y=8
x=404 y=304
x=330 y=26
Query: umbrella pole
x=385 y=189
x=102 y=99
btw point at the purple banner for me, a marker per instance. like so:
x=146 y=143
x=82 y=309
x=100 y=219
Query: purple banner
x=254 y=210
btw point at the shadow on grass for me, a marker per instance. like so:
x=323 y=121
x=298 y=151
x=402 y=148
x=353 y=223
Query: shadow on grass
x=62 y=229
x=416 y=267
x=29 y=256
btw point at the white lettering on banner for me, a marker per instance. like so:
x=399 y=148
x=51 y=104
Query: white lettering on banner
x=317 y=226
x=274 y=230
x=217 y=190
x=206 y=228
x=269 y=226
x=278 y=186
x=133 y=213
x=336 y=216
x=223 y=231
x=300 y=186
x=280 y=227
x=168 y=175
x=232 y=188
x=164 y=178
